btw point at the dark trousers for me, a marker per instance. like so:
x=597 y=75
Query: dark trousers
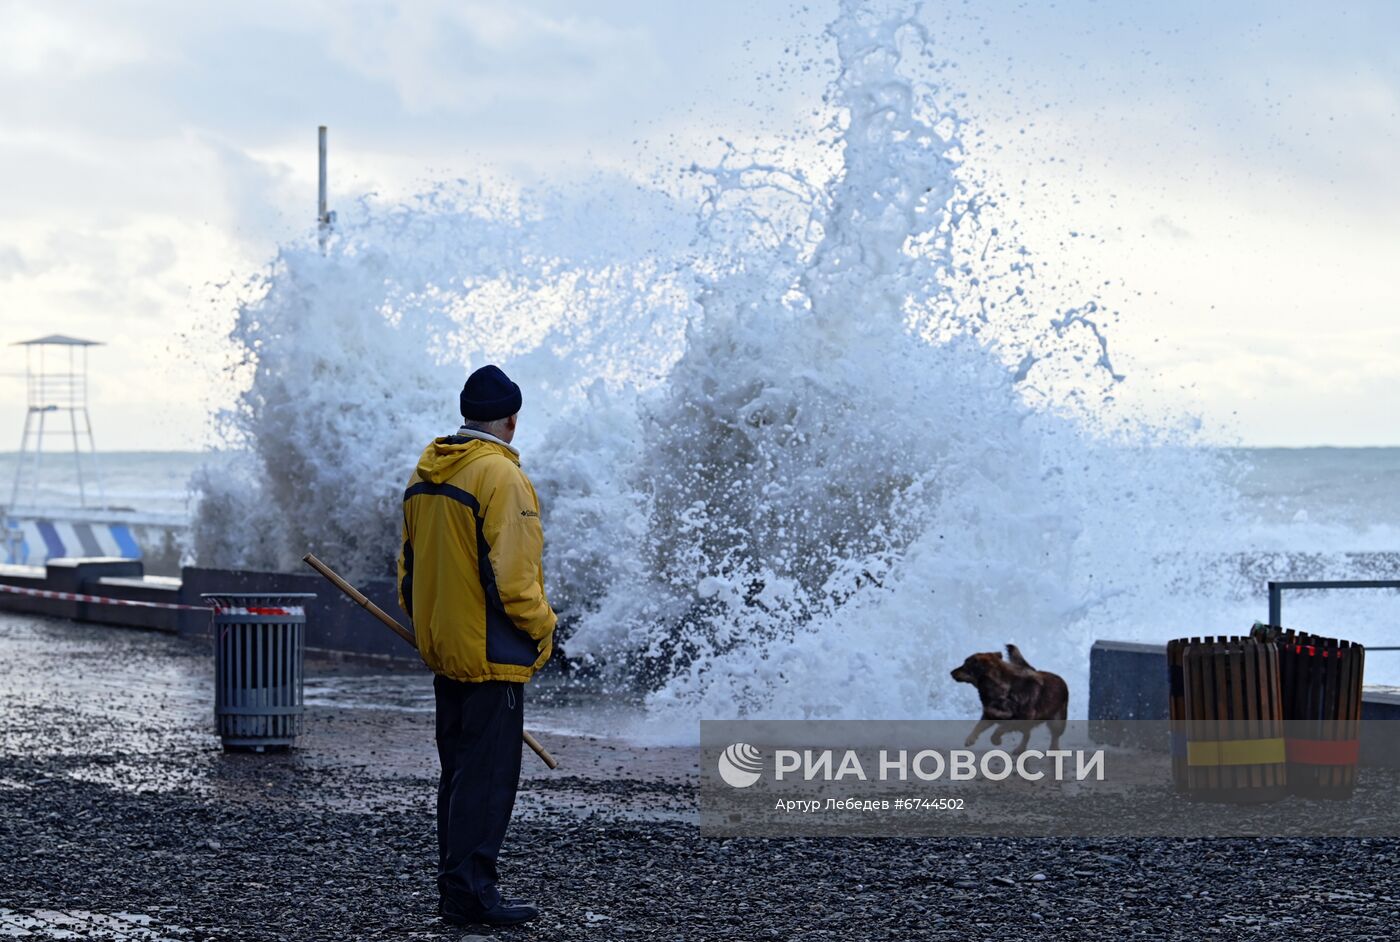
x=478 y=739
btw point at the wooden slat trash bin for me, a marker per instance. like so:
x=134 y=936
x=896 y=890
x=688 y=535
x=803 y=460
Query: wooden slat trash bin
x=1321 y=682
x=1176 y=709
x=1233 y=721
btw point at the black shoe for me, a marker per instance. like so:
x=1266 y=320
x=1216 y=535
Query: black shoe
x=499 y=915
x=505 y=901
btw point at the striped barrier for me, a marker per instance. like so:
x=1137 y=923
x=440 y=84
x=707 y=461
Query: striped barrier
x=32 y=541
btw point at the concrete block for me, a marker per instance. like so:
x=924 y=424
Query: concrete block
x=1127 y=681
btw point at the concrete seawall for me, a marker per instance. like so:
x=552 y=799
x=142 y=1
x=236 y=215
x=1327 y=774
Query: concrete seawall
x=333 y=622
x=1128 y=681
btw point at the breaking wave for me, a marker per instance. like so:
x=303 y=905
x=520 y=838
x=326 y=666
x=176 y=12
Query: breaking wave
x=807 y=426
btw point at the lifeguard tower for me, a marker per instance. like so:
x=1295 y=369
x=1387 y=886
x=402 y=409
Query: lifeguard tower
x=55 y=380
x=37 y=524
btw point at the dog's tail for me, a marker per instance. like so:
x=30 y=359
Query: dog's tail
x=1013 y=654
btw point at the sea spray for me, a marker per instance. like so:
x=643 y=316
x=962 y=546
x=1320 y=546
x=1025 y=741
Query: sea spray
x=349 y=360
x=864 y=462
x=805 y=436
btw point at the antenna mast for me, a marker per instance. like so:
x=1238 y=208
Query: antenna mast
x=324 y=217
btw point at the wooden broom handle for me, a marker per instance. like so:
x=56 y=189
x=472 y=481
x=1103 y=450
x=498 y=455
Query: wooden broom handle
x=406 y=634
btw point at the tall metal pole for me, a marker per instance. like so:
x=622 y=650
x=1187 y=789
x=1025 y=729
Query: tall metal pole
x=323 y=215
x=92 y=443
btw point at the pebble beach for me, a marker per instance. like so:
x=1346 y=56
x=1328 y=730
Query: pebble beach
x=122 y=818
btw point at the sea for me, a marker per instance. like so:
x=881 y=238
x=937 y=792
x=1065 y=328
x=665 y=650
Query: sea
x=1352 y=494
x=1325 y=500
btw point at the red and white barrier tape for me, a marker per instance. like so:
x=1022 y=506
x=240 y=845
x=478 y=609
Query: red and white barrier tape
x=295 y=611
x=102 y=600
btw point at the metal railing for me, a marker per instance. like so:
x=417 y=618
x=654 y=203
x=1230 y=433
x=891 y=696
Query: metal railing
x=1276 y=595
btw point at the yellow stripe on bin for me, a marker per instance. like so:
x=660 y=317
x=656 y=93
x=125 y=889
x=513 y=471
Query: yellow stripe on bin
x=1235 y=752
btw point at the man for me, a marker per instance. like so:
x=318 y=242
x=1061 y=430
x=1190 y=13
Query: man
x=471 y=580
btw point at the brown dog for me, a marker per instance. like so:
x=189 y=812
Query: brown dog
x=1015 y=696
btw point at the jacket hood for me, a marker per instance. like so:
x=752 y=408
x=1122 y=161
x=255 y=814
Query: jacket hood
x=446 y=456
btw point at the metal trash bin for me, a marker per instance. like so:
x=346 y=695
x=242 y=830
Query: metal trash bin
x=259 y=644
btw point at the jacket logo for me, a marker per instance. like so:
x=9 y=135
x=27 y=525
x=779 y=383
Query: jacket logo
x=528 y=513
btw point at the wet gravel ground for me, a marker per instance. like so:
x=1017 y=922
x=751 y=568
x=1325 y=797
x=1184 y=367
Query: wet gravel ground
x=121 y=818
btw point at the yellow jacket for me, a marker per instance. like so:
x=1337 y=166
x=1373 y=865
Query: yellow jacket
x=470 y=576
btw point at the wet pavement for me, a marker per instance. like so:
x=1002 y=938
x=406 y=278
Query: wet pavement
x=133 y=711
x=121 y=818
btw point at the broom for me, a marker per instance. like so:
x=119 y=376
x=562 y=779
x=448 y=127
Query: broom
x=406 y=634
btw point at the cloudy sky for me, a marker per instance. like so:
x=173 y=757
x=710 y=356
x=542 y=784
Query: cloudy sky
x=1224 y=172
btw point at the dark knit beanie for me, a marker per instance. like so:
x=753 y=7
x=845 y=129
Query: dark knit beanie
x=489 y=395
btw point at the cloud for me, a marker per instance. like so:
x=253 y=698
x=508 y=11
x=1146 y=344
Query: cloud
x=121 y=270
x=1242 y=152
x=12 y=263
x=40 y=40
x=449 y=55
x=255 y=193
